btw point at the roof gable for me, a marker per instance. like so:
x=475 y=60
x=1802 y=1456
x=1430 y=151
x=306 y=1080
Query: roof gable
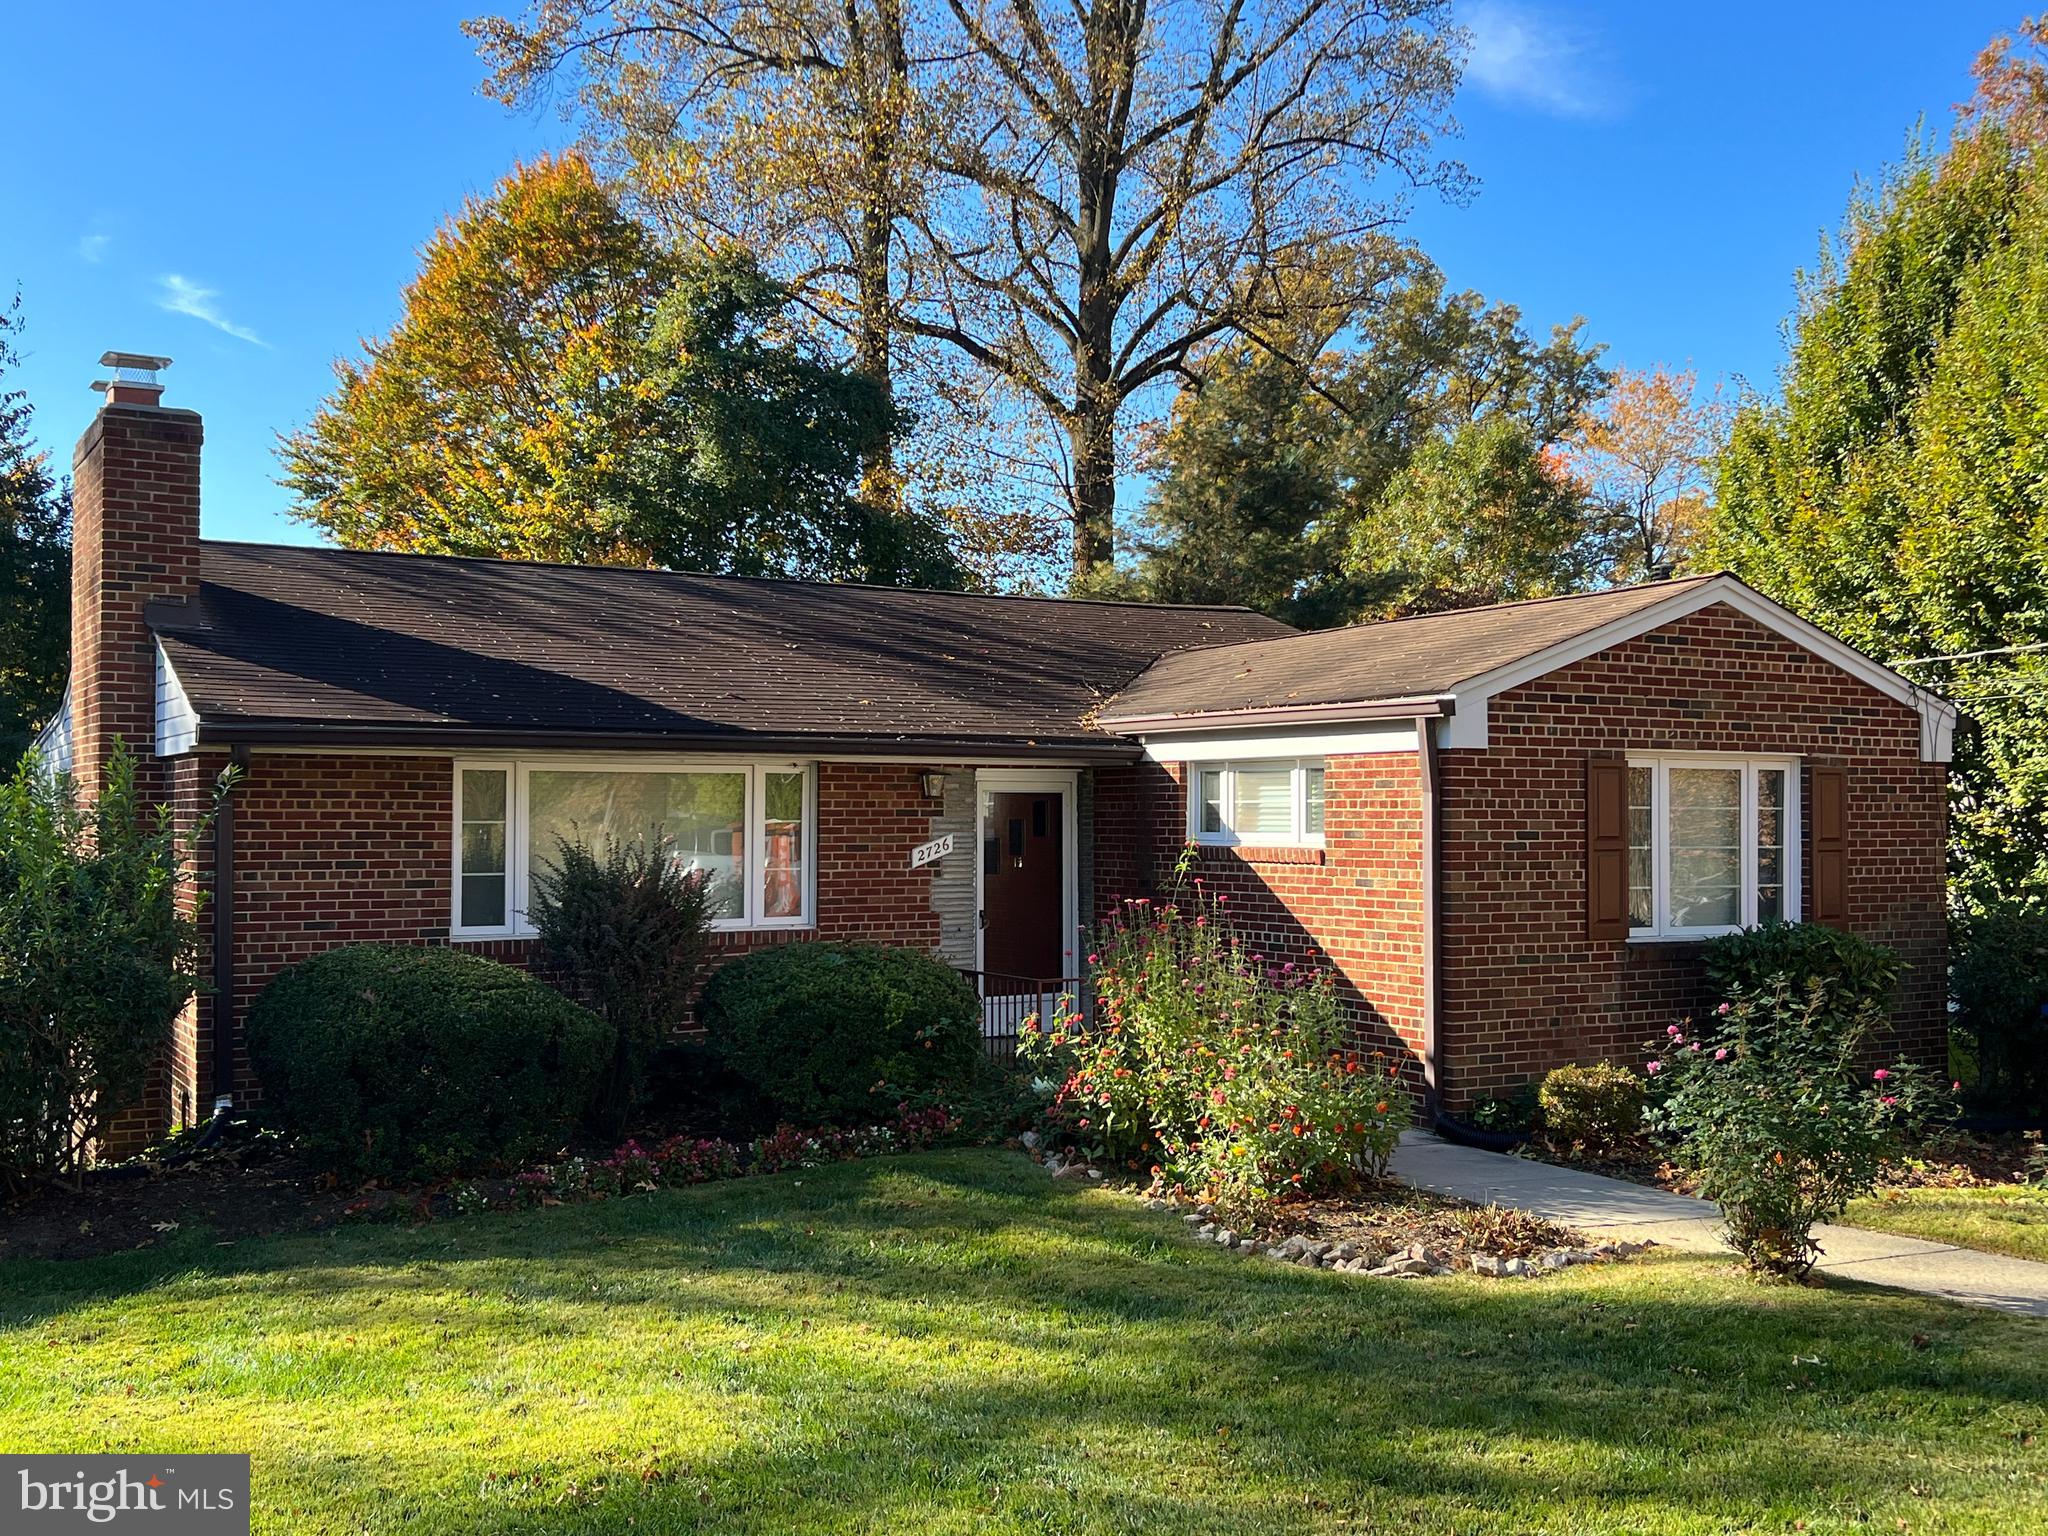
x=1452 y=663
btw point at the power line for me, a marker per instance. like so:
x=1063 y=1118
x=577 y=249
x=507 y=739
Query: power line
x=2003 y=650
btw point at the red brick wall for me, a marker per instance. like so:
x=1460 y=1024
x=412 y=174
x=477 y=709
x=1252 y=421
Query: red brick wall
x=333 y=850
x=134 y=537
x=1354 y=905
x=1523 y=988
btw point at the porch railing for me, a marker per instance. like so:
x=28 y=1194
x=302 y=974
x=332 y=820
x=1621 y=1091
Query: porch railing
x=1007 y=1001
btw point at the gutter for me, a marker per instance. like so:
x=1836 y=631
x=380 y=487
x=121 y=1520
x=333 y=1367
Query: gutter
x=1432 y=901
x=458 y=738
x=224 y=936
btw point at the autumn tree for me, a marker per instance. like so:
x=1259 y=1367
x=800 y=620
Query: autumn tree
x=563 y=387
x=1413 y=465
x=779 y=125
x=35 y=566
x=1648 y=452
x=1119 y=184
x=1070 y=201
x=1894 y=492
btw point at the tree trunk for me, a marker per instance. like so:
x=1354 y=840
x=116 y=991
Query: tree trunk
x=883 y=61
x=1091 y=434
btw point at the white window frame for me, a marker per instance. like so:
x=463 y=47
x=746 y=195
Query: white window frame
x=519 y=771
x=1661 y=764
x=1297 y=836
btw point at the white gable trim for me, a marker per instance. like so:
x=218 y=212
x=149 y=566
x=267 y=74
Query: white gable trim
x=177 y=722
x=1467 y=727
x=1216 y=746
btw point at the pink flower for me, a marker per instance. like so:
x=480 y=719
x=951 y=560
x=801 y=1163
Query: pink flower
x=1721 y=1054
x=1694 y=1046
x=1888 y=1100
x=1672 y=1030
x=1656 y=1067
x=1722 y=1010
x=1880 y=1074
x=1956 y=1086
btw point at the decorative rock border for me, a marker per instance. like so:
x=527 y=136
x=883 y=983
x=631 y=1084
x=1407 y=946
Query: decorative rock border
x=1412 y=1261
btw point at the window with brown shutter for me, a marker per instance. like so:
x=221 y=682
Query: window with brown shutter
x=1827 y=848
x=1607 y=847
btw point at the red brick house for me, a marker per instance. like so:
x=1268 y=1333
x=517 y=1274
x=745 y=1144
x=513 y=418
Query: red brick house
x=1506 y=829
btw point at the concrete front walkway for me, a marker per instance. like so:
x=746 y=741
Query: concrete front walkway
x=1614 y=1209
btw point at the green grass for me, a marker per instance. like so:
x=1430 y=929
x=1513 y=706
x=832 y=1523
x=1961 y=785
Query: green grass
x=953 y=1343
x=2008 y=1218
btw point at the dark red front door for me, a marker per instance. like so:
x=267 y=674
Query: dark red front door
x=1022 y=869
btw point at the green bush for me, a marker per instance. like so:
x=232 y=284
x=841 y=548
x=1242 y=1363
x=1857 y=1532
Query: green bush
x=834 y=1032
x=1239 y=1080
x=2000 y=980
x=624 y=932
x=1598 y=1108
x=1854 y=975
x=96 y=959
x=405 y=1062
x=1773 y=1108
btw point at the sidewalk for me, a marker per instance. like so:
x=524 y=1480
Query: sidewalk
x=1616 y=1209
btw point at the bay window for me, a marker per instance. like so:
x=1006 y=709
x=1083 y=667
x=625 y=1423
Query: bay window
x=748 y=828
x=1277 y=802
x=1712 y=844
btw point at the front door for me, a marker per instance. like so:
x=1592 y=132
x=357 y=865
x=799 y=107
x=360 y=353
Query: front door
x=1023 y=875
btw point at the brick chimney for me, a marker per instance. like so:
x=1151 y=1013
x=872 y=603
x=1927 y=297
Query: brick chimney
x=134 y=538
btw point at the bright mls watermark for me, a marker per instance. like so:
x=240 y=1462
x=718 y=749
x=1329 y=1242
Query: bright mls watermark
x=169 y=1495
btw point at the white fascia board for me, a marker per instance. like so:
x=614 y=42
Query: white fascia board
x=1467 y=726
x=1216 y=746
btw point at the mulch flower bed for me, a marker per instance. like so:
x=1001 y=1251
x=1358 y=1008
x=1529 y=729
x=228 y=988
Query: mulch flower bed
x=1383 y=1229
x=1392 y=1232
x=1945 y=1160
x=258 y=1187
x=235 y=1193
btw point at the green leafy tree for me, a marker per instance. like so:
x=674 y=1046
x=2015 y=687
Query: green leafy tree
x=1298 y=478
x=98 y=949
x=562 y=388
x=1480 y=516
x=35 y=567
x=1897 y=492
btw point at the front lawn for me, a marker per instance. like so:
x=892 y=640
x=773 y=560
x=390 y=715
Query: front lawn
x=952 y=1342
x=1999 y=1218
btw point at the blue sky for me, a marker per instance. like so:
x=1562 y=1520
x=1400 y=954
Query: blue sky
x=243 y=186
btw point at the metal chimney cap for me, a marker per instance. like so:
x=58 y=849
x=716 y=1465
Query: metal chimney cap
x=141 y=362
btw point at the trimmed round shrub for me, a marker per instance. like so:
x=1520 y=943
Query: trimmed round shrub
x=838 y=1032
x=1598 y=1107
x=403 y=1062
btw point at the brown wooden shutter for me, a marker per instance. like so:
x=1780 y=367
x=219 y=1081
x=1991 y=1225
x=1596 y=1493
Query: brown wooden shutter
x=1827 y=845
x=1606 y=847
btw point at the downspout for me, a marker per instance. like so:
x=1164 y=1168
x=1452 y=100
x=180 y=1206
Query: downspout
x=224 y=933
x=1432 y=846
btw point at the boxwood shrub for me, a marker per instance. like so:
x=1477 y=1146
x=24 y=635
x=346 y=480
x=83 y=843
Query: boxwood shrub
x=404 y=1062
x=838 y=1032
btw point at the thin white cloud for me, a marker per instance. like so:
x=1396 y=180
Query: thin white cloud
x=1533 y=58
x=93 y=248
x=182 y=296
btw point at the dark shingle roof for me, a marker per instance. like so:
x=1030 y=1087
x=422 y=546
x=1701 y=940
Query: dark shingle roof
x=1418 y=658
x=283 y=643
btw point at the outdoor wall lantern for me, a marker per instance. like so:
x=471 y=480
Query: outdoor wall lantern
x=934 y=785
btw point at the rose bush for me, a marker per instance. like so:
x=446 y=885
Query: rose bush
x=1232 y=1077
x=1772 y=1105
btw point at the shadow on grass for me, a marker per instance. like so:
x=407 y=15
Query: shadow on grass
x=951 y=1341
